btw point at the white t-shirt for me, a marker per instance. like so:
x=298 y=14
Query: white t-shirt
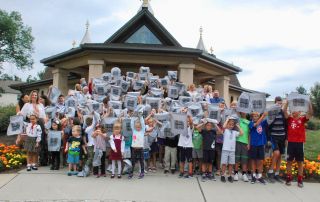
x=229 y=140
x=28 y=109
x=185 y=140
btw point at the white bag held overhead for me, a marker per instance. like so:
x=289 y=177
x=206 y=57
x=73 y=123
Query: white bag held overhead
x=165 y=116
x=185 y=101
x=130 y=102
x=173 y=92
x=244 y=103
x=124 y=85
x=214 y=112
x=164 y=82
x=298 y=102
x=95 y=106
x=258 y=102
x=138 y=85
x=156 y=92
x=179 y=123
x=108 y=123
x=71 y=101
x=155 y=103
x=165 y=130
x=50 y=112
x=153 y=81
x=115 y=93
x=173 y=75
x=106 y=76
x=101 y=88
x=126 y=127
x=144 y=70
x=54 y=94
x=273 y=111
x=116 y=72
x=131 y=75
x=15 y=126
x=195 y=109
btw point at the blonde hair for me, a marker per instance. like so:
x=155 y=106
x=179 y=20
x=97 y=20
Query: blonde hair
x=77 y=128
x=30 y=96
x=77 y=87
x=117 y=125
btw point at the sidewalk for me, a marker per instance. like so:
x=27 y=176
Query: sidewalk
x=46 y=185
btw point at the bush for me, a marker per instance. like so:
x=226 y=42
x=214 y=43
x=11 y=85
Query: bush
x=5 y=113
x=313 y=125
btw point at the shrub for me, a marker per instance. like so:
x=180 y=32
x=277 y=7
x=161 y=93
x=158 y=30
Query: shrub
x=313 y=125
x=5 y=113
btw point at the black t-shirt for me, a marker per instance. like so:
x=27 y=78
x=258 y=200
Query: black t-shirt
x=171 y=142
x=75 y=144
x=207 y=138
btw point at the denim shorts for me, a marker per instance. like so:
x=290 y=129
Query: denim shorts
x=73 y=158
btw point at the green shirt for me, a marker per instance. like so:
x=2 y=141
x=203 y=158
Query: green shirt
x=197 y=139
x=244 y=125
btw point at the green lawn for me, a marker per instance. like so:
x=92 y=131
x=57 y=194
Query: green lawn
x=312 y=146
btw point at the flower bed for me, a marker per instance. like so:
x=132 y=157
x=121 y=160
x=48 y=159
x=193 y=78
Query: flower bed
x=11 y=157
x=311 y=169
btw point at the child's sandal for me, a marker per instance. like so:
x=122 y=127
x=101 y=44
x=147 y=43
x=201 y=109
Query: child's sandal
x=112 y=176
x=119 y=176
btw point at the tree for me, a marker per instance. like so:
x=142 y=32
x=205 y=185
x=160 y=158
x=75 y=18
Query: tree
x=31 y=79
x=6 y=76
x=15 y=41
x=315 y=98
x=42 y=73
x=301 y=90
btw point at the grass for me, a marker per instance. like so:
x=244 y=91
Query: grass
x=312 y=146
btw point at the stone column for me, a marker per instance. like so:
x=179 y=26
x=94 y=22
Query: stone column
x=186 y=73
x=96 y=68
x=60 y=79
x=222 y=85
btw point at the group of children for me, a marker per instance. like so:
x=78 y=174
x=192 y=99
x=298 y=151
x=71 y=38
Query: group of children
x=243 y=146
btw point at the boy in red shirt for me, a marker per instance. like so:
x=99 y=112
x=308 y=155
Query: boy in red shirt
x=296 y=140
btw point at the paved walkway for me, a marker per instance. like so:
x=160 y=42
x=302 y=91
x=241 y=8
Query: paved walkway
x=46 y=185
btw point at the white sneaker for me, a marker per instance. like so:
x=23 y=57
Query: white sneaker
x=236 y=177
x=245 y=178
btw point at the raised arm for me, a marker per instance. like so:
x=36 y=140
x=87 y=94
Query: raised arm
x=199 y=126
x=225 y=123
x=260 y=119
x=240 y=129
x=285 y=109
x=219 y=130
x=310 y=112
x=143 y=125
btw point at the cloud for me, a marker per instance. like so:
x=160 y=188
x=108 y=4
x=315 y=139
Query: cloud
x=270 y=40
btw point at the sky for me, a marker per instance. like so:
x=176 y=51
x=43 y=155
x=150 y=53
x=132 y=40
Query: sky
x=275 y=42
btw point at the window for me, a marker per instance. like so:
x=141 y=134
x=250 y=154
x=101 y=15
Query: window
x=144 y=36
x=231 y=98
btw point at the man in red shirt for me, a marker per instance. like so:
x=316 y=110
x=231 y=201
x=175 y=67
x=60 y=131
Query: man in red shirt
x=296 y=140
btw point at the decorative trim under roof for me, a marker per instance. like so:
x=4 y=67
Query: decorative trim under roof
x=144 y=17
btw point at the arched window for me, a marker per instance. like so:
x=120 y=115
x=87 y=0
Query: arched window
x=231 y=99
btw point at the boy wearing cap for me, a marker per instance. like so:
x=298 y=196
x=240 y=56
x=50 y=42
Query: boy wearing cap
x=257 y=140
x=296 y=140
x=277 y=135
x=229 y=146
x=208 y=134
